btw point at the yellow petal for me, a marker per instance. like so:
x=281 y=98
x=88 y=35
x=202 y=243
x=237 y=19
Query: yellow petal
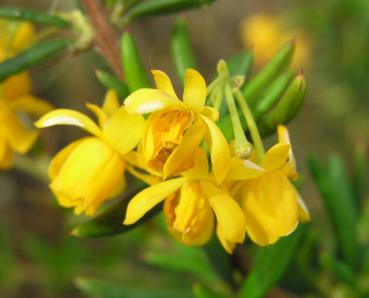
x=219 y=152
x=147 y=100
x=32 y=105
x=99 y=113
x=148 y=179
x=17 y=85
x=68 y=117
x=271 y=201
x=284 y=138
x=149 y=197
x=304 y=214
x=200 y=167
x=59 y=159
x=20 y=138
x=91 y=173
x=243 y=170
x=228 y=246
x=24 y=37
x=6 y=155
x=163 y=83
x=194 y=94
x=211 y=113
x=124 y=130
x=111 y=103
x=276 y=157
x=229 y=214
x=185 y=151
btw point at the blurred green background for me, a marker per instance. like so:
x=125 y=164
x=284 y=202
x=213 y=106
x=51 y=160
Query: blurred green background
x=38 y=258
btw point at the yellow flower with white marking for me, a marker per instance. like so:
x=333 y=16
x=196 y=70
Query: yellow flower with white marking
x=175 y=128
x=272 y=206
x=91 y=170
x=194 y=205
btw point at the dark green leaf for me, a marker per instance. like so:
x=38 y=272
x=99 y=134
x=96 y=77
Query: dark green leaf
x=339 y=206
x=360 y=177
x=33 y=16
x=270 y=265
x=32 y=56
x=110 y=222
x=104 y=289
x=159 y=7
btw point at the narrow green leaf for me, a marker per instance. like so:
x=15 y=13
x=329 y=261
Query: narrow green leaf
x=340 y=270
x=201 y=291
x=270 y=265
x=285 y=109
x=33 y=16
x=272 y=94
x=339 y=207
x=135 y=72
x=110 y=81
x=160 y=7
x=181 y=48
x=110 y=222
x=360 y=176
x=184 y=259
x=276 y=65
x=220 y=260
x=104 y=289
x=32 y=56
x=240 y=64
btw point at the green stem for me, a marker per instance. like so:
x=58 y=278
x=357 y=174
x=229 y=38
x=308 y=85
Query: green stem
x=255 y=135
x=36 y=168
x=219 y=79
x=242 y=146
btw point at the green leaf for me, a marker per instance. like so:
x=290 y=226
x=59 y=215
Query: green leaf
x=32 y=56
x=266 y=75
x=181 y=48
x=270 y=265
x=33 y=16
x=272 y=94
x=201 y=291
x=360 y=176
x=285 y=109
x=220 y=260
x=240 y=64
x=135 y=72
x=159 y=7
x=184 y=259
x=340 y=270
x=110 y=221
x=104 y=289
x=339 y=206
x=110 y=81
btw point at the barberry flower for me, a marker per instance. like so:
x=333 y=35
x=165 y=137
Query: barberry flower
x=91 y=170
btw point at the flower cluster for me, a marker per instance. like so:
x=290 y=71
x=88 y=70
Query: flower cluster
x=16 y=101
x=176 y=147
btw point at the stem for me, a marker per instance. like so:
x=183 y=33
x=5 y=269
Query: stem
x=105 y=35
x=219 y=79
x=36 y=168
x=258 y=144
x=242 y=146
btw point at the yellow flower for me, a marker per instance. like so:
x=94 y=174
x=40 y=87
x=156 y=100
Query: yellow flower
x=16 y=104
x=175 y=128
x=16 y=36
x=91 y=170
x=193 y=205
x=265 y=33
x=272 y=205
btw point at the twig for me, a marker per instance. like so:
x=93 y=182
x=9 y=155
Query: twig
x=105 y=35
